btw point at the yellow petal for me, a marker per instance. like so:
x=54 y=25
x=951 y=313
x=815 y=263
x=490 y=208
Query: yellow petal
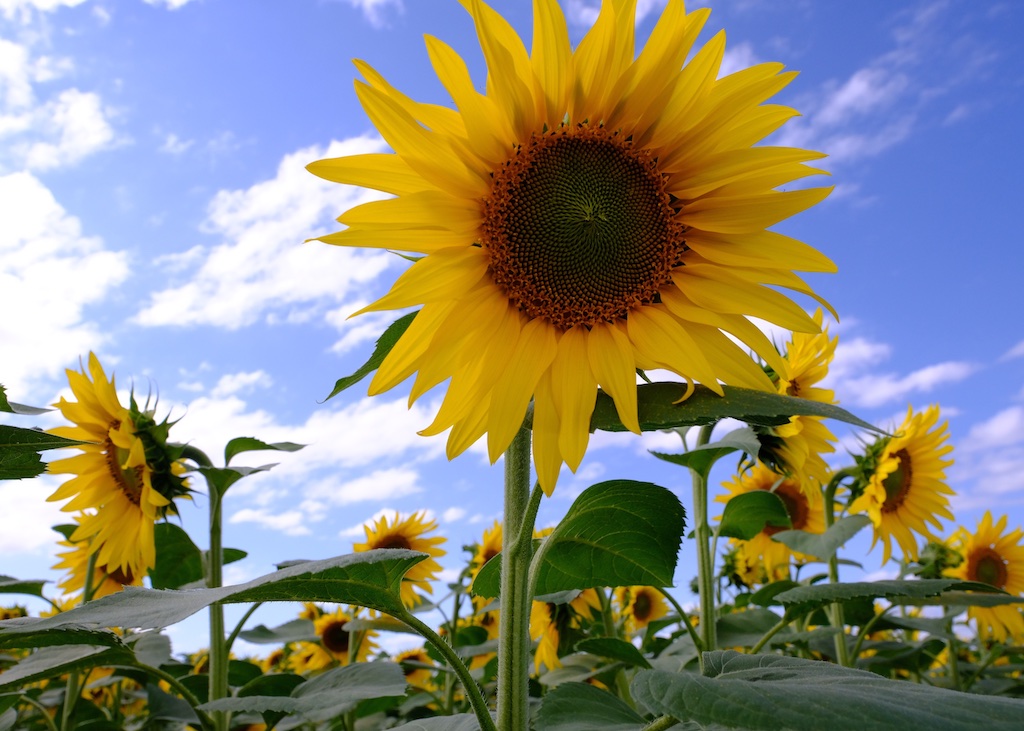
x=661 y=338
x=746 y=213
x=575 y=391
x=401 y=361
x=434 y=277
x=759 y=250
x=385 y=172
x=546 y=427
x=612 y=362
x=552 y=59
x=430 y=209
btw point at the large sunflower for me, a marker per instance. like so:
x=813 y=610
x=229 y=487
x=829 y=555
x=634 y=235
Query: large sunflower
x=124 y=480
x=408 y=533
x=762 y=556
x=906 y=489
x=994 y=556
x=593 y=212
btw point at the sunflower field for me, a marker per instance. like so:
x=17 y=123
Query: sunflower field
x=589 y=238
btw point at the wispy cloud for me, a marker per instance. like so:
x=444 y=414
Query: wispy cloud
x=375 y=11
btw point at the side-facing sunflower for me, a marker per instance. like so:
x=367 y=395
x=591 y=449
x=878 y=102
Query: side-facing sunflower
x=762 y=556
x=334 y=644
x=409 y=533
x=906 y=488
x=104 y=580
x=995 y=556
x=797 y=447
x=418 y=667
x=126 y=478
x=592 y=212
x=639 y=606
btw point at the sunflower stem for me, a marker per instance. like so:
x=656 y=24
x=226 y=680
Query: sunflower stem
x=705 y=559
x=514 y=619
x=836 y=610
x=661 y=723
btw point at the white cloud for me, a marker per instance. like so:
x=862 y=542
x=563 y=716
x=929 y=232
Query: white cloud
x=363 y=329
x=49 y=273
x=290 y=522
x=738 y=57
x=169 y=4
x=174 y=145
x=877 y=389
x=386 y=484
x=26 y=518
x=1005 y=428
x=77 y=126
x=262 y=268
x=234 y=383
x=1017 y=351
x=22 y=9
x=454 y=514
x=584 y=12
x=374 y=10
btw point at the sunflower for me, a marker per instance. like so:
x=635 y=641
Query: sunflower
x=639 y=606
x=551 y=623
x=593 y=212
x=104 y=580
x=906 y=488
x=799 y=445
x=408 y=533
x=994 y=556
x=125 y=479
x=488 y=547
x=333 y=645
x=761 y=556
x=417 y=666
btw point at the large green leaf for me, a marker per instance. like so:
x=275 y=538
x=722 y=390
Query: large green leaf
x=748 y=513
x=582 y=707
x=823 y=546
x=771 y=692
x=805 y=599
x=26 y=632
x=458 y=722
x=614 y=649
x=161 y=706
x=49 y=662
x=32 y=587
x=746 y=628
x=617 y=533
x=297 y=630
x=252 y=444
x=12 y=408
x=385 y=343
x=20 y=448
x=701 y=459
x=371 y=579
x=657 y=408
x=326 y=696
x=178 y=560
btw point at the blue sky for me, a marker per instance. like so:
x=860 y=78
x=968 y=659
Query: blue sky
x=154 y=203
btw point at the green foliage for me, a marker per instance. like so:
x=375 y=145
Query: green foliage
x=20 y=448
x=582 y=707
x=805 y=599
x=31 y=587
x=824 y=546
x=50 y=662
x=769 y=692
x=701 y=459
x=178 y=560
x=12 y=408
x=251 y=444
x=613 y=649
x=748 y=513
x=385 y=343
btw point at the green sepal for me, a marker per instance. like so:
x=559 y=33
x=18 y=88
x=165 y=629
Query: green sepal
x=385 y=343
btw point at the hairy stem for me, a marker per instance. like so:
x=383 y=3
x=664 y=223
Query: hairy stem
x=705 y=560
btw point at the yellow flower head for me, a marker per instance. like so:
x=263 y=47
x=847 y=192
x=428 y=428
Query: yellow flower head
x=125 y=479
x=907 y=489
x=640 y=605
x=994 y=556
x=761 y=556
x=592 y=212
x=408 y=533
x=104 y=580
x=334 y=645
x=413 y=662
x=488 y=547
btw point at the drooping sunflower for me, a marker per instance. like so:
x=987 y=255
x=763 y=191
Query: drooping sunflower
x=761 y=556
x=417 y=664
x=126 y=478
x=551 y=625
x=906 y=489
x=333 y=646
x=409 y=533
x=995 y=556
x=594 y=211
x=639 y=606
x=798 y=446
x=104 y=580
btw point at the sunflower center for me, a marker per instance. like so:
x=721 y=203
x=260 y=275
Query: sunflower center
x=897 y=483
x=797 y=508
x=395 y=542
x=128 y=480
x=579 y=228
x=988 y=566
x=642 y=606
x=334 y=637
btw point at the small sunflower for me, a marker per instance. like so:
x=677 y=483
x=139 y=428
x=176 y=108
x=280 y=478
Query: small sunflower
x=104 y=580
x=417 y=666
x=592 y=212
x=639 y=606
x=13 y=612
x=126 y=478
x=906 y=489
x=762 y=556
x=994 y=556
x=333 y=646
x=545 y=621
x=408 y=533
x=488 y=547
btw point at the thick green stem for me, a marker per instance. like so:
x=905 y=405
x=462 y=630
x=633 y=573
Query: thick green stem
x=836 y=610
x=514 y=620
x=476 y=698
x=705 y=561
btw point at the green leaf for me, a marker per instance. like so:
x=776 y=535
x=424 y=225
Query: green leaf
x=770 y=692
x=12 y=408
x=657 y=408
x=746 y=628
x=458 y=722
x=325 y=696
x=371 y=579
x=221 y=478
x=808 y=598
x=272 y=684
x=251 y=444
x=385 y=343
x=25 y=632
x=765 y=596
x=823 y=546
x=613 y=649
x=179 y=561
x=701 y=459
x=161 y=706
x=617 y=533
x=152 y=648
x=297 y=630
x=19 y=451
x=49 y=662
x=748 y=513
x=582 y=707
x=32 y=587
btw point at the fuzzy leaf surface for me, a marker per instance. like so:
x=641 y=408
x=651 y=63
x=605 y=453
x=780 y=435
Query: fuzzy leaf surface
x=808 y=598
x=582 y=707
